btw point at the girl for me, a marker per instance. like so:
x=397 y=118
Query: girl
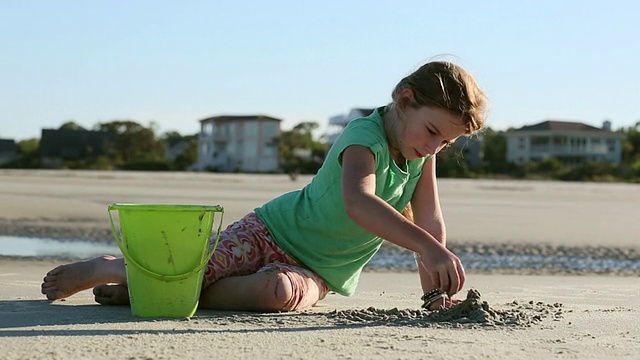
x=293 y=250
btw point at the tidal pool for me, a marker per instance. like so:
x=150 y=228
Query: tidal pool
x=25 y=246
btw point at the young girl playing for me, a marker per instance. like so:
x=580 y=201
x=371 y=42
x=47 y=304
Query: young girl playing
x=294 y=249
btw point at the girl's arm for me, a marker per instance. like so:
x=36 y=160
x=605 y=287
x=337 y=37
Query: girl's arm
x=376 y=216
x=428 y=215
x=426 y=203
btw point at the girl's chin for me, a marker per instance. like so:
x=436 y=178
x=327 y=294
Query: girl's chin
x=417 y=155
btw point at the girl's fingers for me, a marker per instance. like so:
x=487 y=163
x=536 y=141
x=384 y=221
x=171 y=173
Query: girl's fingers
x=462 y=275
x=445 y=282
x=442 y=303
x=435 y=278
x=455 y=282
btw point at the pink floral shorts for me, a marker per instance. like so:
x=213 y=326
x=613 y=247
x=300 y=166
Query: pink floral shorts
x=246 y=247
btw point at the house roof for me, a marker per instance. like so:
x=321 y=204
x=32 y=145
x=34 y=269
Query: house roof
x=7 y=145
x=556 y=125
x=568 y=128
x=223 y=118
x=74 y=143
x=365 y=112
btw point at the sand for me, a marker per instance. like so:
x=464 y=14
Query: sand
x=508 y=314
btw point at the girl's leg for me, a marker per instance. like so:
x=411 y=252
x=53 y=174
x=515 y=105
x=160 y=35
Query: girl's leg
x=249 y=271
x=263 y=291
x=66 y=280
x=107 y=274
x=276 y=287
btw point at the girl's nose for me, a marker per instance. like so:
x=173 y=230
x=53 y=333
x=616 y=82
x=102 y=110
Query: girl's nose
x=433 y=146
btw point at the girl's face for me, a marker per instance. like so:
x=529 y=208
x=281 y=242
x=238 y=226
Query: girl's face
x=427 y=130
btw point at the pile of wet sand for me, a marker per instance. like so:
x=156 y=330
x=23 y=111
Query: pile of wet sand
x=472 y=311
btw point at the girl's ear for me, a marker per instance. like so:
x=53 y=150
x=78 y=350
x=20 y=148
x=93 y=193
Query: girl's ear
x=406 y=98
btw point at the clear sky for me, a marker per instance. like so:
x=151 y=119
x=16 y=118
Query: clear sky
x=177 y=62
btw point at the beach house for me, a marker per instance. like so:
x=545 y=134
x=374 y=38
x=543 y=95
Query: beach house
x=573 y=143
x=59 y=145
x=8 y=151
x=238 y=143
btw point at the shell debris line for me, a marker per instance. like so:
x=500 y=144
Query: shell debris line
x=472 y=311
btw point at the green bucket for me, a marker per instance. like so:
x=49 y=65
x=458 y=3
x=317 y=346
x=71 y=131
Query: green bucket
x=165 y=248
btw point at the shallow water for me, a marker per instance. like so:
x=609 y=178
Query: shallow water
x=405 y=260
x=74 y=249
x=24 y=246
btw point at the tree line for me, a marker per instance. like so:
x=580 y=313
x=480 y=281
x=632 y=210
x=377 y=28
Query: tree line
x=132 y=147
x=453 y=163
x=136 y=147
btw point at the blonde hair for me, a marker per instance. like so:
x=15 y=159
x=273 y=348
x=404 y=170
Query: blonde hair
x=447 y=86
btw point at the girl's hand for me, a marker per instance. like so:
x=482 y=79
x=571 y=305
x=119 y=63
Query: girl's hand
x=444 y=303
x=444 y=268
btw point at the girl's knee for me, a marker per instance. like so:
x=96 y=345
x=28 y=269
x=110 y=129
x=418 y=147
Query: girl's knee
x=294 y=289
x=283 y=292
x=279 y=292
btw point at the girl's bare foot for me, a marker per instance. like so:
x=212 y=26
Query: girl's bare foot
x=66 y=280
x=111 y=294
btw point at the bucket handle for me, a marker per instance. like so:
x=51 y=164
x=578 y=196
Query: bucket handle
x=156 y=276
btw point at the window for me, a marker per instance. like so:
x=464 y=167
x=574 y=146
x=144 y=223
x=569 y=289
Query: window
x=269 y=150
x=539 y=141
x=224 y=130
x=559 y=142
x=251 y=129
x=250 y=149
x=207 y=128
x=269 y=130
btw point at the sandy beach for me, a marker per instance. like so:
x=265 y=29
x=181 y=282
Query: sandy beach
x=536 y=315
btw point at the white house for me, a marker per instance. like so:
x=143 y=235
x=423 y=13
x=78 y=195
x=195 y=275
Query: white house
x=238 y=143
x=571 y=142
x=472 y=148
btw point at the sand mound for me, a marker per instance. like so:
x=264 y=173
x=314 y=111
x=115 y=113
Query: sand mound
x=473 y=310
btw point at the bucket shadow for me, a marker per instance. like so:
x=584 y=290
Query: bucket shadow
x=31 y=313
x=23 y=318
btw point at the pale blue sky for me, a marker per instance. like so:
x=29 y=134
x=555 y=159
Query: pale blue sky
x=176 y=62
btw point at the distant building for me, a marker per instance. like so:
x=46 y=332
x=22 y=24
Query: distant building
x=339 y=122
x=471 y=147
x=177 y=145
x=572 y=143
x=8 y=151
x=238 y=143
x=56 y=146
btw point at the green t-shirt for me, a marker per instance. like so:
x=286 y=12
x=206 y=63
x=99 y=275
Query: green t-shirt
x=311 y=224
